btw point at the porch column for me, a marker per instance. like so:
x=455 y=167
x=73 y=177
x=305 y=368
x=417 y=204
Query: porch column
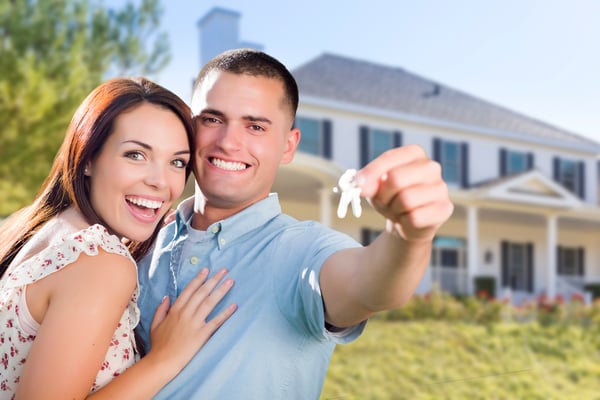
x=551 y=256
x=472 y=247
x=325 y=206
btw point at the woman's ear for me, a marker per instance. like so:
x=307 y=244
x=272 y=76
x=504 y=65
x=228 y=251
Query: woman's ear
x=87 y=171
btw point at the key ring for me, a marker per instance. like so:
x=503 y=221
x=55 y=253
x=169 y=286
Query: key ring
x=350 y=194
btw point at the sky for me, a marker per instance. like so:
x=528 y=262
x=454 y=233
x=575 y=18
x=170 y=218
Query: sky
x=540 y=58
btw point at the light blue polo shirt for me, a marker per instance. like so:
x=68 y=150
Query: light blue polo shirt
x=275 y=346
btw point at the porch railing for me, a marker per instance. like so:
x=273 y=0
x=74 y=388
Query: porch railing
x=450 y=279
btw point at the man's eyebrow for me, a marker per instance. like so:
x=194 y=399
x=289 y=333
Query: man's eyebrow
x=250 y=118
x=213 y=112
x=257 y=119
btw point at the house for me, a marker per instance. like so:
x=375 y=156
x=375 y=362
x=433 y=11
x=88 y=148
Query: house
x=527 y=215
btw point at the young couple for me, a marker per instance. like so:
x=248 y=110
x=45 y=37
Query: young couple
x=69 y=290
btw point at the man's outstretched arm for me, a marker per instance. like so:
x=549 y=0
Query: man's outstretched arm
x=407 y=188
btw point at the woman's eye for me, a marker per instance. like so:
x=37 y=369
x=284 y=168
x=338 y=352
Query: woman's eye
x=179 y=163
x=134 y=155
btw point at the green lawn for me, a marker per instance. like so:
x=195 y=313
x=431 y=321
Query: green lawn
x=457 y=360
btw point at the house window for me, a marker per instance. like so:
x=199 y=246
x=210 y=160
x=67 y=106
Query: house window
x=570 y=174
x=512 y=162
x=374 y=142
x=379 y=142
x=570 y=261
x=448 y=252
x=315 y=136
x=453 y=157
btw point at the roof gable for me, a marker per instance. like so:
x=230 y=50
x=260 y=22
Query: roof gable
x=531 y=187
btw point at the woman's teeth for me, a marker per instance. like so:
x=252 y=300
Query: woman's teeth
x=144 y=202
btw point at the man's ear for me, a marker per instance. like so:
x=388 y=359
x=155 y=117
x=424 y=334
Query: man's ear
x=291 y=144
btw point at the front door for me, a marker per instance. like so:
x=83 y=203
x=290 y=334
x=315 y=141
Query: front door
x=517 y=266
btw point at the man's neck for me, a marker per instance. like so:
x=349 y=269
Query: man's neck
x=202 y=220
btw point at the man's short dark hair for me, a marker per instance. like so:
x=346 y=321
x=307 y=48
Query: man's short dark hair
x=254 y=63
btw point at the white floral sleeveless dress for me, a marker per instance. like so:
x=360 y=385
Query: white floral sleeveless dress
x=18 y=329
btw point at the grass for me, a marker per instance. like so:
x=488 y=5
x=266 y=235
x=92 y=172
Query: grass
x=433 y=359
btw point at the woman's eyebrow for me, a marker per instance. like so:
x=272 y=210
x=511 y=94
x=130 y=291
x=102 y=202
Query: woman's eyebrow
x=148 y=147
x=142 y=144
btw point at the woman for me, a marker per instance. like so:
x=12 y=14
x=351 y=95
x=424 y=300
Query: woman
x=69 y=285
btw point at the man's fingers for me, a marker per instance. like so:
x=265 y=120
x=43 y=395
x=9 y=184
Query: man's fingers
x=368 y=178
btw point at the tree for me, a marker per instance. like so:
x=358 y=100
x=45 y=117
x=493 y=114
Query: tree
x=52 y=54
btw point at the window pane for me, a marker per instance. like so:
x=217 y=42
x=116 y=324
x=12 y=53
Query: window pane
x=569 y=263
x=517 y=162
x=310 y=140
x=379 y=142
x=450 y=160
x=568 y=175
x=449 y=258
x=517 y=267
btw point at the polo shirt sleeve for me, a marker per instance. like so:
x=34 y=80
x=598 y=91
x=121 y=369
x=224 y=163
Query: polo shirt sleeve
x=305 y=248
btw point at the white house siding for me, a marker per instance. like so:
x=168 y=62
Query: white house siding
x=496 y=220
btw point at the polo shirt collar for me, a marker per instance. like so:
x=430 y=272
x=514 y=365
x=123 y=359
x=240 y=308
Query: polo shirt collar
x=231 y=228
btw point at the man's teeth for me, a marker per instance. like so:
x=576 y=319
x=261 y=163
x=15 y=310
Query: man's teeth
x=144 y=202
x=228 y=165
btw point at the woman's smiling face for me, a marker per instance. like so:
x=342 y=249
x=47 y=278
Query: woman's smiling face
x=140 y=170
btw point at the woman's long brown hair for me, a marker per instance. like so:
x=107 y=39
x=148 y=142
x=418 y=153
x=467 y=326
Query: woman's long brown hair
x=66 y=185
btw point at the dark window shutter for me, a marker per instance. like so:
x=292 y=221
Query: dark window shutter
x=364 y=145
x=556 y=169
x=397 y=139
x=559 y=257
x=581 y=261
x=530 y=267
x=327 y=138
x=437 y=150
x=504 y=252
x=530 y=161
x=581 y=179
x=503 y=156
x=464 y=165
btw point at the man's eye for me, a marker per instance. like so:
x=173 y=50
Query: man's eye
x=257 y=128
x=210 y=120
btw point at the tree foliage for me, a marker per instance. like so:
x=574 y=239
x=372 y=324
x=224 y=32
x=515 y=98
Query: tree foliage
x=52 y=54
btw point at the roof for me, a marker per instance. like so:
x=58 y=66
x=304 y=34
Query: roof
x=368 y=84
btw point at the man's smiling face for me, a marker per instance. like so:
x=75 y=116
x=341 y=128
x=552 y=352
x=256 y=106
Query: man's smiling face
x=243 y=135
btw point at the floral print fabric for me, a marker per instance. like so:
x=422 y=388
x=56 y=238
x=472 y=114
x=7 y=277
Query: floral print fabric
x=16 y=338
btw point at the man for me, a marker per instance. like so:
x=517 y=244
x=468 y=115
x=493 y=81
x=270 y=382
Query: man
x=300 y=287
